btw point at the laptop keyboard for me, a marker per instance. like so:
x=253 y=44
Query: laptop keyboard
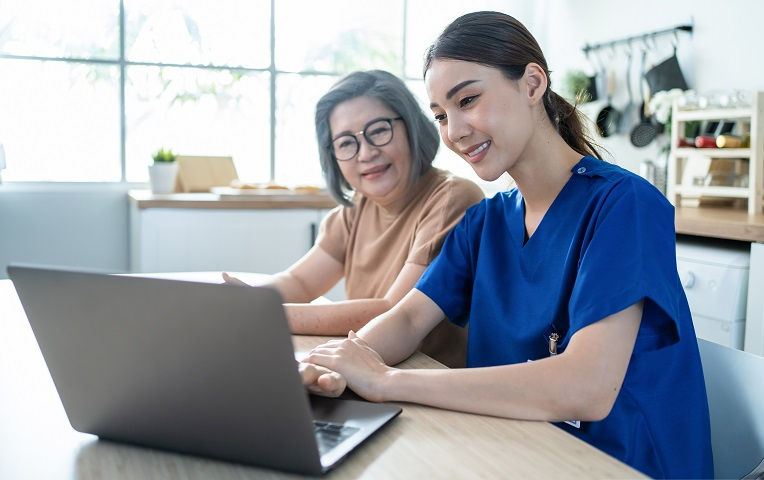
x=329 y=435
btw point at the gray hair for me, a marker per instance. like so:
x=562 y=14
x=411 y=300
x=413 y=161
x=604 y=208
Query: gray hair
x=386 y=87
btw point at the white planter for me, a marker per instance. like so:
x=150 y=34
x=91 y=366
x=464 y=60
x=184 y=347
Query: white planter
x=162 y=176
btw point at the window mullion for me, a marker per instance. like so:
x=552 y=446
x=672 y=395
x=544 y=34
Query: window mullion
x=272 y=69
x=122 y=113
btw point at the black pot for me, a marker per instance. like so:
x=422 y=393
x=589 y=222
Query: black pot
x=607 y=120
x=608 y=117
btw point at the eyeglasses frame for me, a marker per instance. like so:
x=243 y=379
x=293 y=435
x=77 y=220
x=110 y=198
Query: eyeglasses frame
x=363 y=133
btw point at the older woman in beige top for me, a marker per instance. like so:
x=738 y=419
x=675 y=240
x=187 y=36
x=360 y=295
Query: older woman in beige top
x=376 y=148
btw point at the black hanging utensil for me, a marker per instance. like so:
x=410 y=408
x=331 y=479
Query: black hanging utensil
x=666 y=75
x=608 y=117
x=645 y=131
x=591 y=88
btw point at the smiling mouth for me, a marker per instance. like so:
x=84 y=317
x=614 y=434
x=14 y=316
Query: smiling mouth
x=479 y=149
x=375 y=170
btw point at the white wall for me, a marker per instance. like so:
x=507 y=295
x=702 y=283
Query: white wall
x=723 y=52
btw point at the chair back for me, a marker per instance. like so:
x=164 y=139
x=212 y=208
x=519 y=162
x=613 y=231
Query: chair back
x=735 y=390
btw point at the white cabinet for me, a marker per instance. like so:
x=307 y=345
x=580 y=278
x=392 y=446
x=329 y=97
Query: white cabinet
x=715 y=280
x=198 y=239
x=741 y=170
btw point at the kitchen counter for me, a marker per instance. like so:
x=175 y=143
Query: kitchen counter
x=704 y=222
x=720 y=223
x=143 y=199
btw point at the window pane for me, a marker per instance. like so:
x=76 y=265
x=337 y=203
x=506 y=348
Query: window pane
x=60 y=121
x=296 y=147
x=53 y=28
x=198 y=112
x=225 y=32
x=338 y=36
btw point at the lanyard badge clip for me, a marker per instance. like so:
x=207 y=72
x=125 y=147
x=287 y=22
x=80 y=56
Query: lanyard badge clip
x=553 y=339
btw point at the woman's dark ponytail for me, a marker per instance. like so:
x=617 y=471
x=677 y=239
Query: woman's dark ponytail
x=567 y=120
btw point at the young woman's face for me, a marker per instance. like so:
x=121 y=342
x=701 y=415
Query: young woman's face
x=381 y=173
x=484 y=117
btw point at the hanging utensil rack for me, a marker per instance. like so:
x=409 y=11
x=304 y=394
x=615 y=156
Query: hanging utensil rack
x=641 y=37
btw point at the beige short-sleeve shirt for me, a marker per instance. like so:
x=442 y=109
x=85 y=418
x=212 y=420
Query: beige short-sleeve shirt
x=374 y=244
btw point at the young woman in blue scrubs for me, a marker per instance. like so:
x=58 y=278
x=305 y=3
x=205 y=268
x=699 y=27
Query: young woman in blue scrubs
x=568 y=282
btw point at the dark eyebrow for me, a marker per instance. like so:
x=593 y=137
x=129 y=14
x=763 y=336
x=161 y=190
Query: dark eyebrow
x=454 y=90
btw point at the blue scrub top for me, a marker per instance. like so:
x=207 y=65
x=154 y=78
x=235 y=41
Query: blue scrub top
x=606 y=242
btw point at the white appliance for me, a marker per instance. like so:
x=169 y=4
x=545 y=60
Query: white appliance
x=715 y=280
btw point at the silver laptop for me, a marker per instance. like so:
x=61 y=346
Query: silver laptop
x=197 y=368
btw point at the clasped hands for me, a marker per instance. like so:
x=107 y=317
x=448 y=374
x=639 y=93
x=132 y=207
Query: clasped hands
x=350 y=362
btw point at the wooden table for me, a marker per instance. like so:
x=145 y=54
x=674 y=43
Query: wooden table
x=36 y=440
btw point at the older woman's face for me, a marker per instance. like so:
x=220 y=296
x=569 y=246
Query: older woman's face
x=379 y=173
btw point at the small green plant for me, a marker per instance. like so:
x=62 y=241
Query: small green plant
x=164 y=156
x=577 y=86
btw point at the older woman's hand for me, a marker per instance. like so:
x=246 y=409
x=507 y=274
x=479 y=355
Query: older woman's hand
x=321 y=381
x=359 y=365
x=233 y=280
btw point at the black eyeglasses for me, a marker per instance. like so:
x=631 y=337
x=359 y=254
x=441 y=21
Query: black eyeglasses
x=378 y=132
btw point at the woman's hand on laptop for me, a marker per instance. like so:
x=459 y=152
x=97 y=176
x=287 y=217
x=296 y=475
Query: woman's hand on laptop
x=361 y=368
x=321 y=381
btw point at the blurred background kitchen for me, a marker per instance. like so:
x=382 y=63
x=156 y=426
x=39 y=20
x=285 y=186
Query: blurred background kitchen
x=90 y=89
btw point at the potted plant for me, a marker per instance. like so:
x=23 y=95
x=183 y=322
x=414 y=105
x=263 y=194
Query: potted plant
x=162 y=172
x=578 y=87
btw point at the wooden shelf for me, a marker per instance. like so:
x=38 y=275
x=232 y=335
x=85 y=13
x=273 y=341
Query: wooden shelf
x=714 y=114
x=686 y=152
x=687 y=162
x=703 y=191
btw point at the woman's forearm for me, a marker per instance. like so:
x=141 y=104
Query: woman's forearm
x=533 y=391
x=396 y=334
x=290 y=288
x=582 y=383
x=336 y=318
x=310 y=277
